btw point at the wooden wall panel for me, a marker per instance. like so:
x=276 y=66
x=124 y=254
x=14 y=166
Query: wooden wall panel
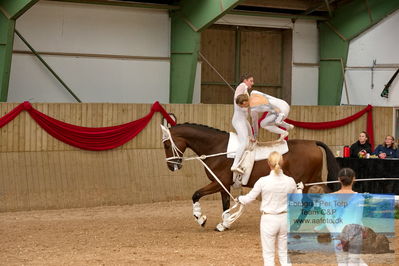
x=236 y=50
x=39 y=172
x=218 y=45
x=216 y=94
x=261 y=55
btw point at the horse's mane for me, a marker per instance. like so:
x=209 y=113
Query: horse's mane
x=202 y=127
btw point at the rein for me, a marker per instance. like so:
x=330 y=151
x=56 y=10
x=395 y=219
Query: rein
x=178 y=155
x=356 y=180
x=200 y=159
x=175 y=150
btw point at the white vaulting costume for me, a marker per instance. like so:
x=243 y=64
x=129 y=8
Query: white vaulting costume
x=241 y=125
x=273 y=224
x=277 y=111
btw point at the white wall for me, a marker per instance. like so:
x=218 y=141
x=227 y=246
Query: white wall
x=380 y=42
x=305 y=79
x=92 y=29
x=305 y=50
x=102 y=29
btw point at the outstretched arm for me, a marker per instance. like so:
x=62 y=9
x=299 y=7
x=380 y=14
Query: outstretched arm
x=251 y=196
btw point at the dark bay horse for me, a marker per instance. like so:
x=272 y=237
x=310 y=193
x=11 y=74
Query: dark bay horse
x=303 y=161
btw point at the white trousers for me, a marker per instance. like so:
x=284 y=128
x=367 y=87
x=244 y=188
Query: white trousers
x=242 y=128
x=347 y=258
x=270 y=121
x=274 y=227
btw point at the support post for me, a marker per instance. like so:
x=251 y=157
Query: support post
x=6 y=44
x=187 y=24
x=10 y=10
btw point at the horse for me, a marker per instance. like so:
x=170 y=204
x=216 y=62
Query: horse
x=303 y=161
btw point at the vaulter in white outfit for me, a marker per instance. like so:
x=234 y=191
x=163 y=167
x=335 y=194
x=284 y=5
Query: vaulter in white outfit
x=240 y=122
x=277 y=112
x=273 y=224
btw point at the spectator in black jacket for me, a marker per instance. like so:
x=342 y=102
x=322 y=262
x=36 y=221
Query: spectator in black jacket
x=361 y=146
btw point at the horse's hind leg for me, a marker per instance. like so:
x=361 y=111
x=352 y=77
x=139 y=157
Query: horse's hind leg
x=207 y=190
x=226 y=205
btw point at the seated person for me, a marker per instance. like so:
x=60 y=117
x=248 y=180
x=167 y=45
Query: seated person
x=361 y=146
x=388 y=149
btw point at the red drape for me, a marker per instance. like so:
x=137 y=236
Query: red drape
x=88 y=138
x=338 y=123
x=105 y=138
x=11 y=115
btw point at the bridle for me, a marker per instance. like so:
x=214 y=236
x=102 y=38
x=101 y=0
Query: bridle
x=177 y=157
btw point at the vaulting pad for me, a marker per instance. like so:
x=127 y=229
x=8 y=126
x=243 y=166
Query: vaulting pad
x=261 y=151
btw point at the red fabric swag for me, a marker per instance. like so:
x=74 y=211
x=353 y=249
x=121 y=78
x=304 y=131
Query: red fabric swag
x=337 y=123
x=88 y=138
x=11 y=115
x=105 y=138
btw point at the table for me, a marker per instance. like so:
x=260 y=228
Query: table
x=373 y=168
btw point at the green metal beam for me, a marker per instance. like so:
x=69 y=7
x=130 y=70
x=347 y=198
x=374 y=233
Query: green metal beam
x=200 y=14
x=10 y=10
x=15 y=8
x=349 y=21
x=6 y=43
x=185 y=44
x=122 y=3
x=332 y=49
x=187 y=22
x=276 y=15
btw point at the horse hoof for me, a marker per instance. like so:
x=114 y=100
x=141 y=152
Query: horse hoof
x=203 y=224
x=220 y=228
x=202 y=220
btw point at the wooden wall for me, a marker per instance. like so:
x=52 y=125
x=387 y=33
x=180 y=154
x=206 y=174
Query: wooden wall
x=236 y=50
x=39 y=172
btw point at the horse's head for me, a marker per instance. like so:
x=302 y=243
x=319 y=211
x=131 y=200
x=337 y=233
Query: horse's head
x=174 y=149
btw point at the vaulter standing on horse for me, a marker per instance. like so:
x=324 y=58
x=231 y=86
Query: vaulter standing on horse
x=240 y=122
x=277 y=112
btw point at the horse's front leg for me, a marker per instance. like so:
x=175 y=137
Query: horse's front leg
x=207 y=190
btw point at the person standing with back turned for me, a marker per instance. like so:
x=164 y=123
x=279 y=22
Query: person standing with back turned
x=273 y=224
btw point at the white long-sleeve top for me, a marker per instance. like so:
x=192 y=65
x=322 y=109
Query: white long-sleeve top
x=274 y=189
x=241 y=89
x=240 y=112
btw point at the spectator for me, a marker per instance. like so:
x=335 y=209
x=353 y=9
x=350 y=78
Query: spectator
x=361 y=146
x=348 y=244
x=388 y=149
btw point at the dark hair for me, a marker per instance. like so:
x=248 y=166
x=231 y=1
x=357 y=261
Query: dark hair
x=346 y=176
x=240 y=99
x=246 y=76
x=367 y=136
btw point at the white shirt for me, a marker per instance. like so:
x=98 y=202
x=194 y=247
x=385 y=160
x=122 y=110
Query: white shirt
x=240 y=112
x=241 y=89
x=274 y=189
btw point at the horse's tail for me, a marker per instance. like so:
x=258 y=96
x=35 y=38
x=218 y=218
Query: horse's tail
x=332 y=165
